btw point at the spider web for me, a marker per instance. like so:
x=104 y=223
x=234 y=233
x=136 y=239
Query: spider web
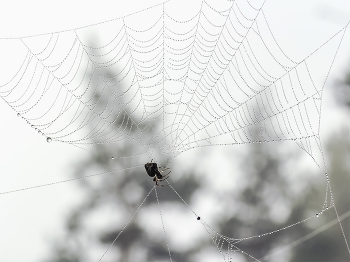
x=210 y=76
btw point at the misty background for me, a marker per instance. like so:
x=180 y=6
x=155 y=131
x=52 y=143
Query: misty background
x=227 y=187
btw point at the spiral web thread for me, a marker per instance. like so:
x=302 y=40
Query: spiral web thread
x=217 y=77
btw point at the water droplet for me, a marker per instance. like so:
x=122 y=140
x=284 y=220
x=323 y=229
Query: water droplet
x=48 y=139
x=18 y=114
x=32 y=126
x=317 y=214
x=198 y=218
x=112 y=157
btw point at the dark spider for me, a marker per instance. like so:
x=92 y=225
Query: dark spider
x=153 y=171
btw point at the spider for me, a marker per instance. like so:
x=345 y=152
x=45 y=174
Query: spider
x=153 y=171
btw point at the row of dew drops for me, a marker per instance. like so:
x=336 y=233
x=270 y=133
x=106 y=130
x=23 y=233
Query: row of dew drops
x=48 y=139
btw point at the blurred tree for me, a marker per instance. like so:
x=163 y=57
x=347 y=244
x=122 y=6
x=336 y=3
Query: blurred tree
x=342 y=91
x=267 y=202
x=257 y=202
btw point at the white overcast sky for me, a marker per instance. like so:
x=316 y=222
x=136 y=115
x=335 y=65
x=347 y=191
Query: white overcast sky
x=26 y=218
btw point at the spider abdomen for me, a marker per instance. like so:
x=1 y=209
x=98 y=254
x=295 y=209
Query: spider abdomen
x=153 y=171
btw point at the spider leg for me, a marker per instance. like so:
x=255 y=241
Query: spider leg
x=164 y=170
x=159 y=180
x=162 y=185
x=164 y=177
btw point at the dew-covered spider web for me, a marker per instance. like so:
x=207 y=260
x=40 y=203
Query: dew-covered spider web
x=167 y=81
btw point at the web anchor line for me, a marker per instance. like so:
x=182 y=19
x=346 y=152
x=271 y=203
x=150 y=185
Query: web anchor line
x=219 y=239
x=161 y=218
x=121 y=231
x=68 y=180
